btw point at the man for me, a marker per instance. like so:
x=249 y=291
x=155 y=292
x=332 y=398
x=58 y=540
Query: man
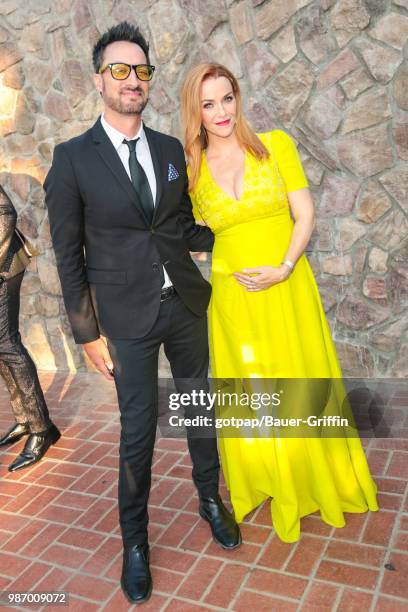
x=16 y=366
x=122 y=229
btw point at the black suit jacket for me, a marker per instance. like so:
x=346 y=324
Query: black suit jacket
x=108 y=256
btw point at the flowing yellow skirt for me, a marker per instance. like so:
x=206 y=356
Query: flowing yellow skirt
x=280 y=333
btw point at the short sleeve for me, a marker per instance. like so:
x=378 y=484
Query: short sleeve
x=288 y=160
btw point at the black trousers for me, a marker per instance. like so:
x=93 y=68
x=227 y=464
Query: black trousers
x=185 y=341
x=16 y=366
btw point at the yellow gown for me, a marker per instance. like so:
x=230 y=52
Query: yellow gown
x=281 y=332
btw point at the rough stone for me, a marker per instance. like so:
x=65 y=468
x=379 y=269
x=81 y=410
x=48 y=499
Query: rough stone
x=55 y=104
x=356 y=313
x=314 y=37
x=313 y=170
x=336 y=95
x=396 y=183
x=76 y=84
x=390 y=232
x=400 y=88
x=382 y=62
x=356 y=361
x=338 y=265
x=27 y=305
x=60 y=47
x=289 y=90
x=386 y=338
x=90 y=107
x=31 y=284
x=7 y=126
x=366 y=153
x=399 y=367
x=401 y=140
x=368 y=110
x=47 y=306
x=8 y=102
x=377 y=260
x=398 y=281
x=240 y=20
x=49 y=276
x=261 y=65
x=349 y=231
x=403 y=3
x=24 y=119
x=169 y=29
x=392 y=29
x=270 y=17
x=357 y=82
x=21 y=185
x=21 y=144
x=161 y=101
x=283 y=45
x=373 y=203
x=375 y=289
x=322 y=117
x=205 y=21
x=322 y=237
x=14 y=77
x=348 y=18
x=320 y=151
x=10 y=54
x=339 y=195
x=223 y=50
x=33 y=39
x=259 y=117
x=343 y=64
x=82 y=15
x=40 y=75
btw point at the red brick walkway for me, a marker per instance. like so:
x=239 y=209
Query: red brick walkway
x=59 y=531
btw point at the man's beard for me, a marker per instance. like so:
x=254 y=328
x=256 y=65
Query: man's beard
x=126 y=107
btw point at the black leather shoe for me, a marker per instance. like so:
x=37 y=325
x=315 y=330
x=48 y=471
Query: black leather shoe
x=223 y=525
x=136 y=579
x=15 y=433
x=35 y=448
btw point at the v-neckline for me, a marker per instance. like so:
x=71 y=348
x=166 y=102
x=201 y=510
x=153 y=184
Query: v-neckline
x=219 y=187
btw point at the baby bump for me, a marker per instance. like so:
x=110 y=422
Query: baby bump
x=256 y=243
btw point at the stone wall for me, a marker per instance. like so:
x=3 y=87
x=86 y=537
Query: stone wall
x=331 y=73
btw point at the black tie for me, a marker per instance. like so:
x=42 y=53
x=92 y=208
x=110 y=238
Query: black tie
x=139 y=180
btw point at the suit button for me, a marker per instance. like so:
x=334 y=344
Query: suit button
x=155 y=267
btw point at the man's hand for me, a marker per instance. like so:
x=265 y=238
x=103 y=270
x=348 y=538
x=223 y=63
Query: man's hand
x=98 y=353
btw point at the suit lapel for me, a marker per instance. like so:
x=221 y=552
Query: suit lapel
x=109 y=155
x=156 y=153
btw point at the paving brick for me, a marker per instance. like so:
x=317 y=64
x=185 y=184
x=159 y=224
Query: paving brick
x=379 y=528
x=248 y=600
x=64 y=555
x=226 y=585
x=355 y=553
x=320 y=596
x=30 y=577
x=12 y=566
x=178 y=529
x=81 y=538
x=101 y=559
x=176 y=560
x=354 y=601
x=395 y=582
x=95 y=589
x=276 y=553
x=389 y=604
x=276 y=583
x=398 y=467
x=254 y=533
x=98 y=509
x=23 y=536
x=199 y=578
x=60 y=514
x=347 y=574
x=306 y=555
x=47 y=536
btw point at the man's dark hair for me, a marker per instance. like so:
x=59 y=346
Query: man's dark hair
x=122 y=31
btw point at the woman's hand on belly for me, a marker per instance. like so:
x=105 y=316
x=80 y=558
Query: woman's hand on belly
x=261 y=277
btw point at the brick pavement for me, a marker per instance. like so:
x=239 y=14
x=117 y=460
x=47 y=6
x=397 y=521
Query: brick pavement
x=59 y=531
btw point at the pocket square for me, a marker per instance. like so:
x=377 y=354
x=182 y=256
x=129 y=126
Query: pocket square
x=172 y=173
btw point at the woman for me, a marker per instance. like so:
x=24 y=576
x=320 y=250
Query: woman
x=16 y=366
x=265 y=317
